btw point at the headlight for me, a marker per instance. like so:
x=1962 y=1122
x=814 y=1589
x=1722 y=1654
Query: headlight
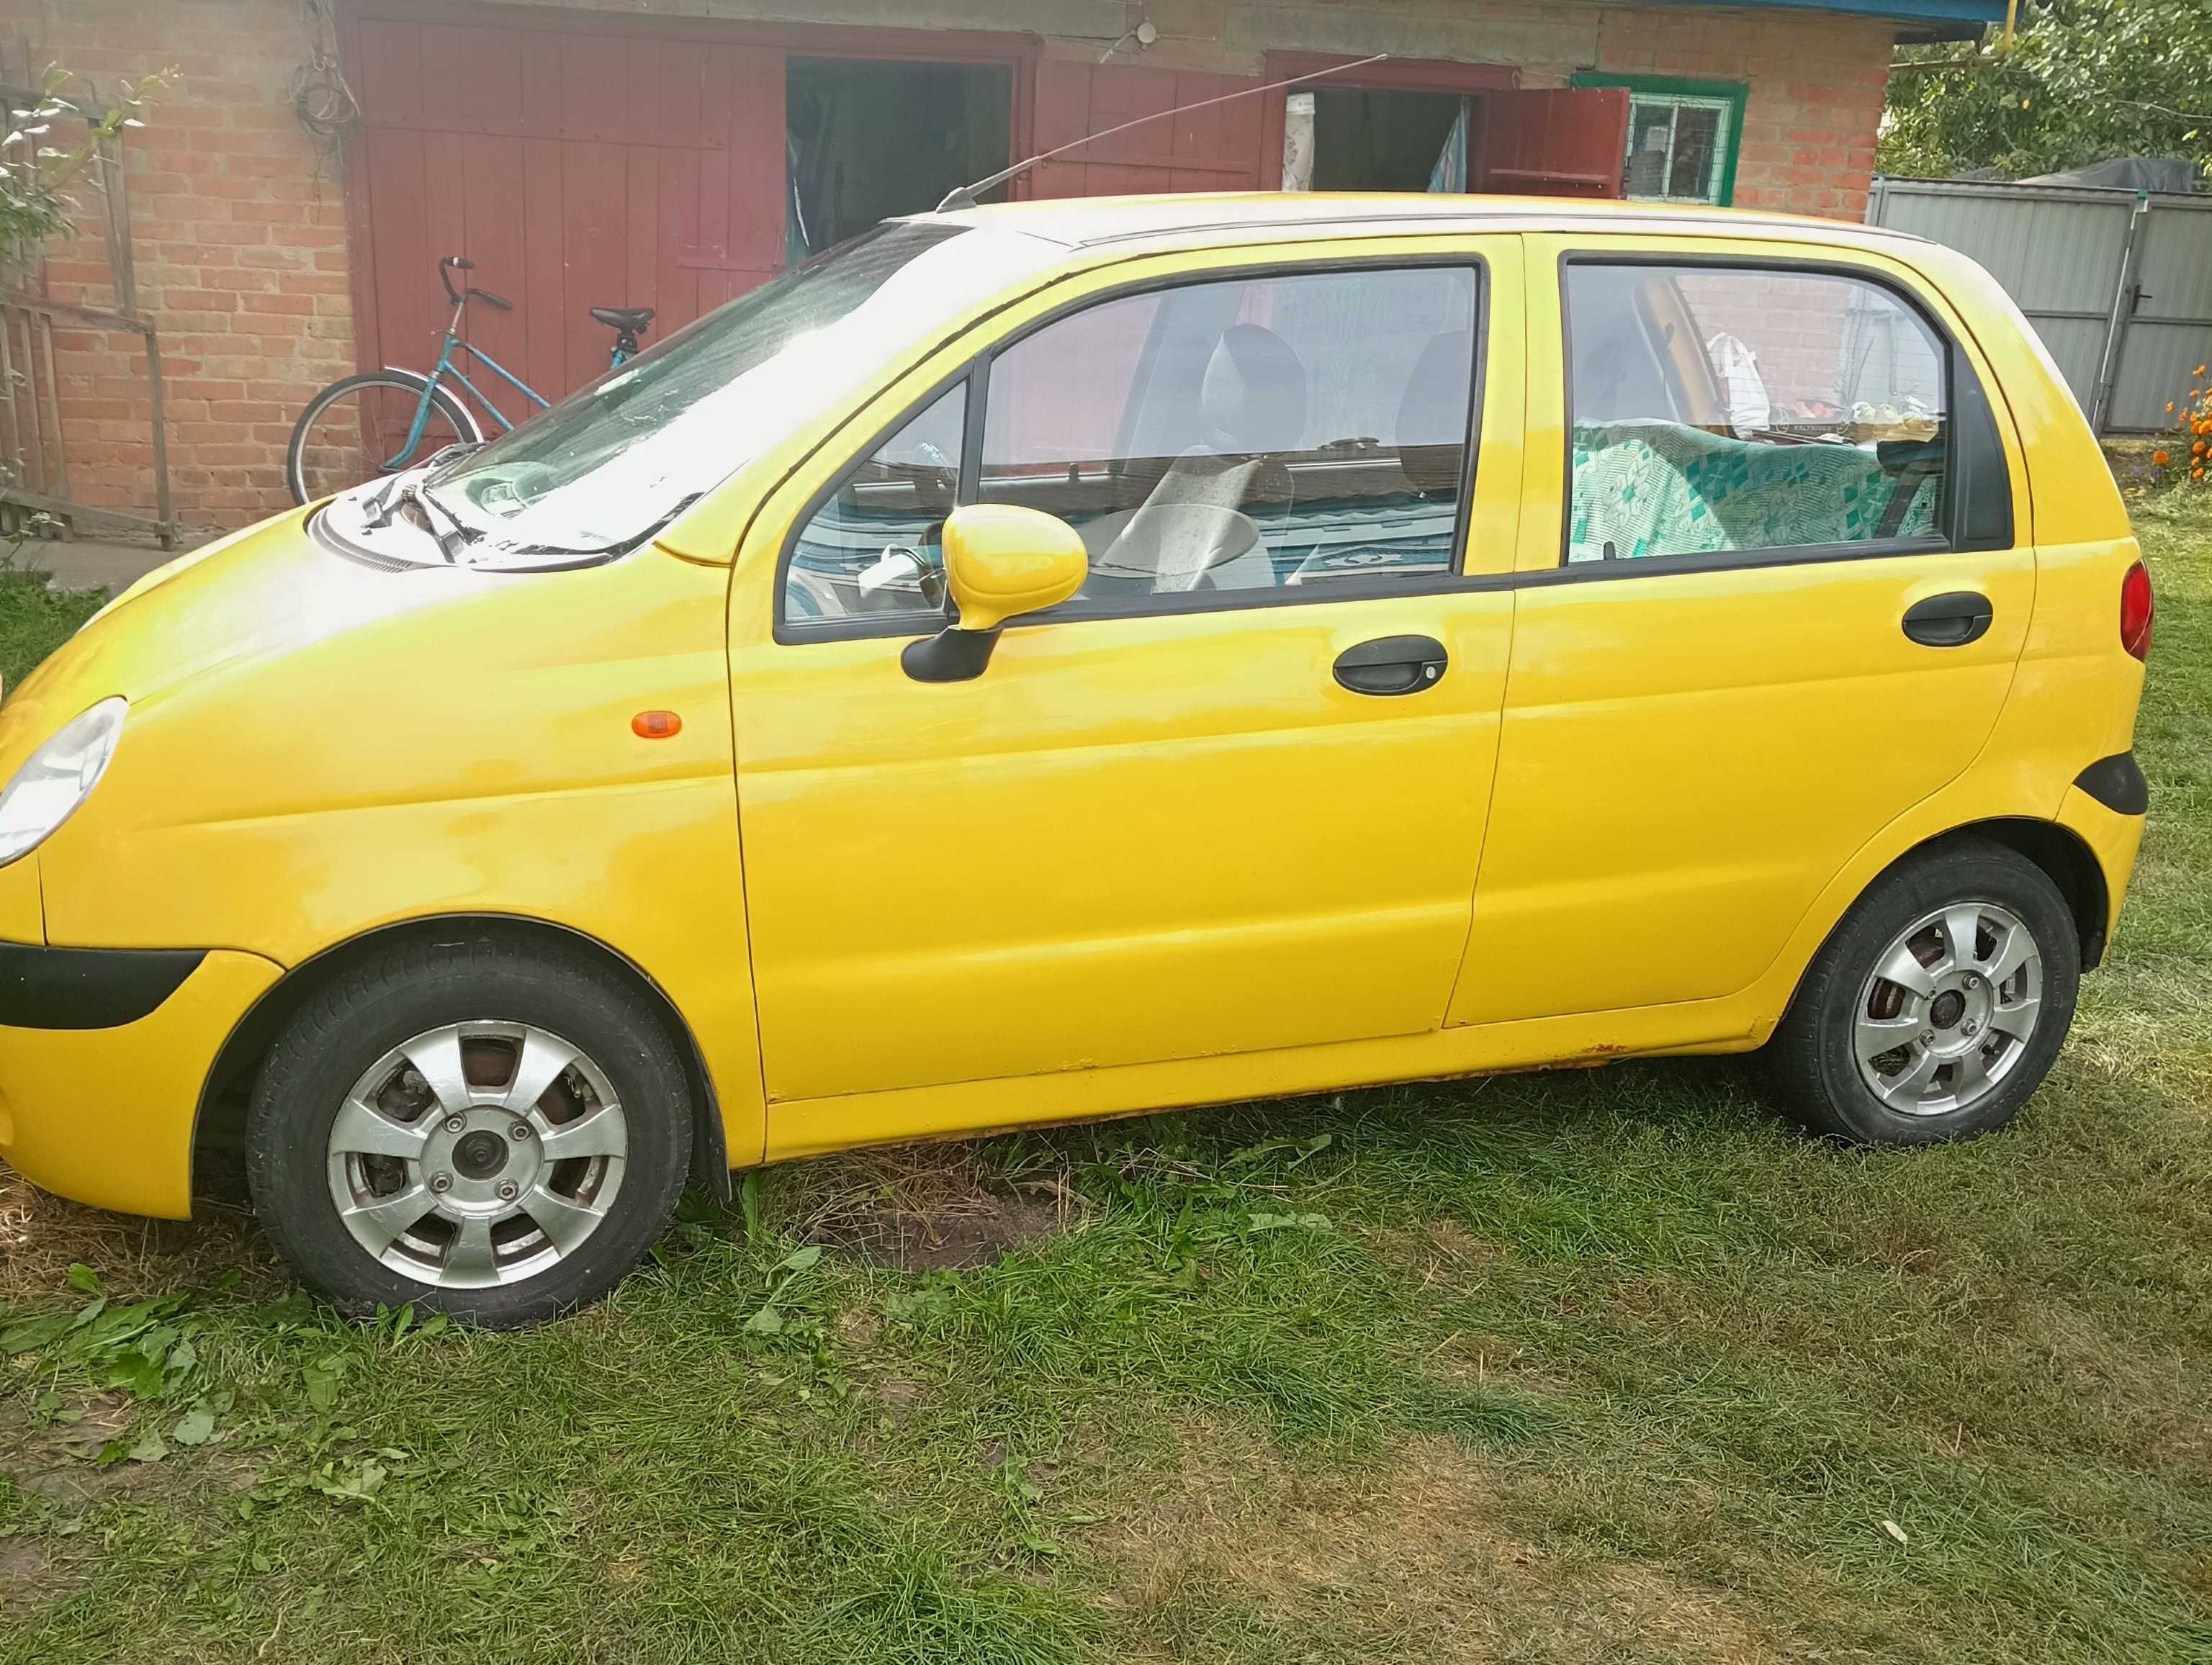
x=55 y=779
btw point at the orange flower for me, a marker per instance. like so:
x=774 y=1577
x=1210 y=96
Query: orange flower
x=2159 y=458
x=2197 y=474
x=2198 y=371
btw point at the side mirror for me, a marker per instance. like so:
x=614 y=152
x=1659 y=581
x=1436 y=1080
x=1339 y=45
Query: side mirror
x=1000 y=561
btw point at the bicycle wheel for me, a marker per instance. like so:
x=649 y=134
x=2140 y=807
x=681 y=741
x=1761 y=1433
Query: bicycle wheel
x=356 y=429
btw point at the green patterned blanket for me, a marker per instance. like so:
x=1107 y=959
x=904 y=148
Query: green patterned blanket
x=1658 y=489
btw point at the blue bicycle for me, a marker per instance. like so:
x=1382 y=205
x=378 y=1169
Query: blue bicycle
x=387 y=421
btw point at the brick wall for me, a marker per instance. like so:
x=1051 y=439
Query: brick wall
x=242 y=246
x=240 y=252
x=1818 y=85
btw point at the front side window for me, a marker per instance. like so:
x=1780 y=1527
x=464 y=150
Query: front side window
x=874 y=549
x=1301 y=434
x=1726 y=408
x=1251 y=434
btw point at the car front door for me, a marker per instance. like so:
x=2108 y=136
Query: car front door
x=1227 y=800
x=1776 y=600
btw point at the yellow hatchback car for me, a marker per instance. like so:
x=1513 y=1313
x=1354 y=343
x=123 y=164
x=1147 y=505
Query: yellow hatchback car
x=1056 y=660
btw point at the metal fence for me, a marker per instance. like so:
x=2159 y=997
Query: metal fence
x=2118 y=283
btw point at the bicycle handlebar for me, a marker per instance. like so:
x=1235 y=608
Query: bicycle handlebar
x=457 y=263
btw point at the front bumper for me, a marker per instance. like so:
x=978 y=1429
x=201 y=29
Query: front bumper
x=104 y=1115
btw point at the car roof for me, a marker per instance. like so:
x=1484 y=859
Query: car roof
x=1196 y=221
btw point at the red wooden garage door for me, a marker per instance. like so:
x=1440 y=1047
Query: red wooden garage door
x=1215 y=148
x=578 y=166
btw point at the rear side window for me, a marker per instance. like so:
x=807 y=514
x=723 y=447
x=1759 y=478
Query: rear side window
x=1716 y=409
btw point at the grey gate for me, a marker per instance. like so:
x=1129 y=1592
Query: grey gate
x=2118 y=283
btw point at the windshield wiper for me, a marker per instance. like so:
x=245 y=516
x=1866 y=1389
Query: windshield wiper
x=458 y=534
x=612 y=551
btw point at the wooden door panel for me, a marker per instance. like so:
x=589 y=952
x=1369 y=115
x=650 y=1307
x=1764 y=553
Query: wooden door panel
x=1554 y=143
x=577 y=166
x=1215 y=148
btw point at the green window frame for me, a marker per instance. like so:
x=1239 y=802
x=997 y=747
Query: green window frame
x=1670 y=92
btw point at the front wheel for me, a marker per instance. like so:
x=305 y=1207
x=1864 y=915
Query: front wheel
x=1937 y=1006
x=493 y=1134
x=360 y=428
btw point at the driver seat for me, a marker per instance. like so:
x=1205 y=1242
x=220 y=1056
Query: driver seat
x=1252 y=404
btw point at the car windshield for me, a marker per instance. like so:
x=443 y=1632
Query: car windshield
x=618 y=459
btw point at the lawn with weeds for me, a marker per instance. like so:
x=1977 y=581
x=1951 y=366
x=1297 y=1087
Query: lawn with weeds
x=35 y=620
x=1583 y=1365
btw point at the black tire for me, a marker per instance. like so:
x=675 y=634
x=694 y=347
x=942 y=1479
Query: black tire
x=449 y=423
x=354 y=1023
x=1814 y=1054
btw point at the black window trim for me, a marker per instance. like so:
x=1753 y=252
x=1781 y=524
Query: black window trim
x=1961 y=457
x=976 y=374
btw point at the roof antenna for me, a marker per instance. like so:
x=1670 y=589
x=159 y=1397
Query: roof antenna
x=964 y=196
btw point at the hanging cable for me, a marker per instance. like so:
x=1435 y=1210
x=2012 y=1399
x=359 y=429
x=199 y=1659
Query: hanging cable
x=322 y=101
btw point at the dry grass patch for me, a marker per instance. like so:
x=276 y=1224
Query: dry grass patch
x=41 y=1236
x=926 y=1208
x=1411 y=1558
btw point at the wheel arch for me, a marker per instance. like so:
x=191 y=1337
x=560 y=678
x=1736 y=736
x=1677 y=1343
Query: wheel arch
x=219 y=1121
x=2064 y=857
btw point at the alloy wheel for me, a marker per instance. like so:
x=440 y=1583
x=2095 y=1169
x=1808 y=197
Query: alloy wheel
x=1949 y=1009
x=477 y=1155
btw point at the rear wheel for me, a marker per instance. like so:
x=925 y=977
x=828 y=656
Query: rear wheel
x=357 y=430
x=482 y=1132
x=1938 y=1005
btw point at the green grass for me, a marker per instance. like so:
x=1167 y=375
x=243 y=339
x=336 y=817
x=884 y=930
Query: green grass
x=34 y=620
x=1583 y=1365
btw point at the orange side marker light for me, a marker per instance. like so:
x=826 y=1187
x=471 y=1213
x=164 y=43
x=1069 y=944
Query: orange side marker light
x=655 y=726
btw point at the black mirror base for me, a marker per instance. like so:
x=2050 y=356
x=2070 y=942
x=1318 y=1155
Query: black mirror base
x=953 y=655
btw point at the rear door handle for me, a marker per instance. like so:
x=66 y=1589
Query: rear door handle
x=1393 y=664
x=1950 y=620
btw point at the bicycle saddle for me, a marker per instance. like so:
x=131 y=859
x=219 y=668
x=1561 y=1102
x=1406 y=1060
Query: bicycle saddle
x=632 y=319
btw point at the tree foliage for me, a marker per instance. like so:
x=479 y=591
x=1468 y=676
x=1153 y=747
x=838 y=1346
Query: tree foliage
x=50 y=143
x=2086 y=80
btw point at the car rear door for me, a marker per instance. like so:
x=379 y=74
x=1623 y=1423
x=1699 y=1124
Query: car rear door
x=1230 y=800
x=1774 y=581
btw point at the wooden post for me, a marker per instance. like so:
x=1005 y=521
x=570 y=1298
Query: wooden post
x=167 y=533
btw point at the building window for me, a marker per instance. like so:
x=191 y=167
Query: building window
x=1683 y=138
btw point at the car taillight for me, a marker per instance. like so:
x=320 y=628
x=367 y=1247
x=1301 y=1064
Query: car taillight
x=2135 y=609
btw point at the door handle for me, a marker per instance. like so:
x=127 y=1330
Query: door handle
x=1392 y=664
x=1951 y=620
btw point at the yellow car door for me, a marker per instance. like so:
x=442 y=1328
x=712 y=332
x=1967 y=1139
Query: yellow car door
x=1776 y=574
x=1228 y=799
